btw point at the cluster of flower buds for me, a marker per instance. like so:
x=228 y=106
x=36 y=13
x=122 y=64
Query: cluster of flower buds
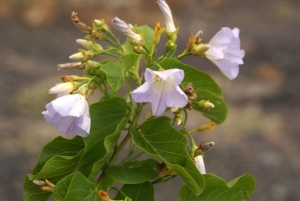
x=45 y=185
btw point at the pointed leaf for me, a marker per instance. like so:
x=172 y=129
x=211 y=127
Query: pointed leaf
x=108 y=118
x=159 y=139
x=134 y=172
x=147 y=33
x=137 y=192
x=216 y=189
x=206 y=89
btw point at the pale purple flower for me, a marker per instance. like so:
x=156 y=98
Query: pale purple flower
x=126 y=30
x=199 y=162
x=69 y=113
x=170 y=27
x=162 y=90
x=224 y=51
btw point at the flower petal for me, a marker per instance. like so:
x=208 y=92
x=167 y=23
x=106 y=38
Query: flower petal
x=142 y=94
x=176 y=98
x=199 y=162
x=222 y=38
x=158 y=101
x=228 y=68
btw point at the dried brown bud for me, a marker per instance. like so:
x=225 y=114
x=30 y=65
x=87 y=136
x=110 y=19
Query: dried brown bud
x=80 y=25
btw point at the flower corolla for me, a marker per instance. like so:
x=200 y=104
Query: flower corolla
x=224 y=51
x=69 y=113
x=170 y=27
x=162 y=90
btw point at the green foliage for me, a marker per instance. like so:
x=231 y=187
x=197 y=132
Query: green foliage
x=206 y=89
x=133 y=172
x=159 y=139
x=216 y=189
x=108 y=118
x=79 y=168
x=137 y=192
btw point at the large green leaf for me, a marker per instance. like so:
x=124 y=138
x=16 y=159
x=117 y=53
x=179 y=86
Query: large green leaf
x=159 y=139
x=206 y=89
x=108 y=118
x=216 y=189
x=134 y=172
x=137 y=192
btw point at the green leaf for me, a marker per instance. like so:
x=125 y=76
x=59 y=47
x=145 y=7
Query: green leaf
x=108 y=118
x=216 y=189
x=76 y=187
x=148 y=34
x=128 y=61
x=206 y=89
x=159 y=139
x=32 y=192
x=134 y=172
x=64 y=187
x=59 y=147
x=113 y=71
x=117 y=72
x=137 y=192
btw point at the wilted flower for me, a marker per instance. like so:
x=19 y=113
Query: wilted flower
x=170 y=27
x=199 y=162
x=69 y=113
x=126 y=30
x=224 y=51
x=162 y=90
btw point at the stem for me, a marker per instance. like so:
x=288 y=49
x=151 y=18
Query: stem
x=118 y=190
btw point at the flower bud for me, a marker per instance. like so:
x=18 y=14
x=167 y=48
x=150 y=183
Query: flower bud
x=89 y=45
x=208 y=126
x=44 y=185
x=77 y=56
x=171 y=45
x=64 y=88
x=103 y=195
x=170 y=27
x=178 y=119
x=70 y=78
x=205 y=105
x=199 y=50
x=101 y=25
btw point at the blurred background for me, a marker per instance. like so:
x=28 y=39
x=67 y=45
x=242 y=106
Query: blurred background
x=261 y=133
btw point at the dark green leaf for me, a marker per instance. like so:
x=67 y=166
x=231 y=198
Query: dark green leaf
x=137 y=192
x=216 y=189
x=159 y=139
x=108 y=118
x=134 y=172
x=206 y=89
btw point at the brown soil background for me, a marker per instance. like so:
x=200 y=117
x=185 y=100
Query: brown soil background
x=261 y=133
